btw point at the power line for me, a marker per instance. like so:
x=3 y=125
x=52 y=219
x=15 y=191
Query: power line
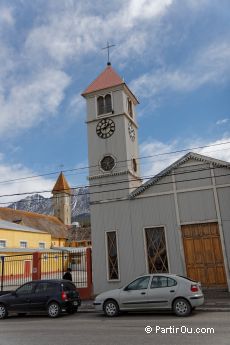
x=121 y=189
x=103 y=184
x=119 y=161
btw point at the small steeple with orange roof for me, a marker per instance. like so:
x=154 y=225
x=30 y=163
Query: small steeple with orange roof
x=61 y=185
x=62 y=199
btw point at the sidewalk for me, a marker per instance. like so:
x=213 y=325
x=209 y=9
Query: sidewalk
x=214 y=301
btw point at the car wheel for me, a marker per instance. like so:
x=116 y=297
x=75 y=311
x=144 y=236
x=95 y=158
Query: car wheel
x=53 y=309
x=181 y=307
x=111 y=308
x=3 y=312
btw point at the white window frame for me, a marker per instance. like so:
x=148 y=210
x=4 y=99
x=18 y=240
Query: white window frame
x=43 y=243
x=132 y=109
x=23 y=241
x=5 y=243
x=145 y=246
x=107 y=258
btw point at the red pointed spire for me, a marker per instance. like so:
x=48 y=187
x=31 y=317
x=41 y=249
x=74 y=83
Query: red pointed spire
x=108 y=78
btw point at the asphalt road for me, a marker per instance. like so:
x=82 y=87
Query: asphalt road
x=92 y=328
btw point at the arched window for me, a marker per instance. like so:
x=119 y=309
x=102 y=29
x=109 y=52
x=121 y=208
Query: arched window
x=108 y=104
x=104 y=104
x=130 y=108
x=100 y=105
x=134 y=163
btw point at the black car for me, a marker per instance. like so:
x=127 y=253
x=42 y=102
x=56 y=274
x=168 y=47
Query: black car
x=53 y=296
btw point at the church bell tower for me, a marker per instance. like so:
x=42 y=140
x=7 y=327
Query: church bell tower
x=114 y=169
x=62 y=200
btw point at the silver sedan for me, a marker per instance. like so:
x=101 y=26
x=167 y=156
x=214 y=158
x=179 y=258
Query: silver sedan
x=152 y=292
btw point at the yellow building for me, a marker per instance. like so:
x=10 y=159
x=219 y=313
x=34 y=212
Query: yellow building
x=41 y=222
x=21 y=238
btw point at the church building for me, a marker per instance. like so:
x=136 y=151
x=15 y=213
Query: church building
x=178 y=221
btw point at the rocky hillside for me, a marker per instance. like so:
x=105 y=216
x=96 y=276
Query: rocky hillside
x=39 y=204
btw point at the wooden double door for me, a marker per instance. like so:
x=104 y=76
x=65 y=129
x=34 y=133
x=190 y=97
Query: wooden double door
x=203 y=254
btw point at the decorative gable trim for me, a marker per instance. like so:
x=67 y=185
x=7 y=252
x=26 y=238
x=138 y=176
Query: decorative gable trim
x=175 y=165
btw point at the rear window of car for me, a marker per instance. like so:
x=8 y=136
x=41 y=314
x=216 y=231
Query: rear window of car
x=69 y=287
x=160 y=282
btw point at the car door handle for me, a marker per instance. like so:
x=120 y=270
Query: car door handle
x=143 y=293
x=172 y=290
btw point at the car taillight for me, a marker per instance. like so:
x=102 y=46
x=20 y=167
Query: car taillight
x=63 y=296
x=194 y=288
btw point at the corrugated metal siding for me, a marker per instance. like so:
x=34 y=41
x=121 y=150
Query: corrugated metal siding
x=196 y=206
x=158 y=211
x=222 y=176
x=130 y=217
x=193 y=176
x=164 y=185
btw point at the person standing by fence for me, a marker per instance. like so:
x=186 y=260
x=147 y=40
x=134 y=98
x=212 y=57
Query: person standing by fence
x=68 y=275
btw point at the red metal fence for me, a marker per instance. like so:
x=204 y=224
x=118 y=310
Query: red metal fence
x=18 y=269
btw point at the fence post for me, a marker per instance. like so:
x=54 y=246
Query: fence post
x=36 y=273
x=2 y=272
x=89 y=271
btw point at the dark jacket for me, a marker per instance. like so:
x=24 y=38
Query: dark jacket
x=67 y=276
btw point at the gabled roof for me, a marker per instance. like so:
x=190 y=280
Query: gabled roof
x=61 y=185
x=38 y=221
x=108 y=78
x=168 y=170
x=4 y=224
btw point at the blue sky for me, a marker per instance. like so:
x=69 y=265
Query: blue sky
x=173 y=54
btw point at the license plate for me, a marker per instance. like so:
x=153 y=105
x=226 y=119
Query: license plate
x=75 y=303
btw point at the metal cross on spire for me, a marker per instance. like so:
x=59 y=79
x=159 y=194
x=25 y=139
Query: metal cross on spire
x=108 y=47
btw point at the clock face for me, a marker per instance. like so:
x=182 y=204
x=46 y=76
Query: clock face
x=107 y=163
x=131 y=131
x=105 y=128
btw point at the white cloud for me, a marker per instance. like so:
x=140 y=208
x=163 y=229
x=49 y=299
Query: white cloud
x=15 y=172
x=77 y=106
x=34 y=75
x=209 y=66
x=6 y=16
x=76 y=30
x=30 y=101
x=136 y=10
x=164 y=154
x=222 y=122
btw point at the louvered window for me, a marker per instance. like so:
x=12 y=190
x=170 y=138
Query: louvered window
x=108 y=104
x=100 y=105
x=130 y=108
x=156 y=250
x=113 y=273
x=104 y=104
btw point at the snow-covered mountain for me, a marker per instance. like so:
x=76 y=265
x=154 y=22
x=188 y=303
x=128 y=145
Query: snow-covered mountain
x=39 y=204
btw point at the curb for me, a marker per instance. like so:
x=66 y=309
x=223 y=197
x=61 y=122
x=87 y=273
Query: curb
x=216 y=309
x=211 y=309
